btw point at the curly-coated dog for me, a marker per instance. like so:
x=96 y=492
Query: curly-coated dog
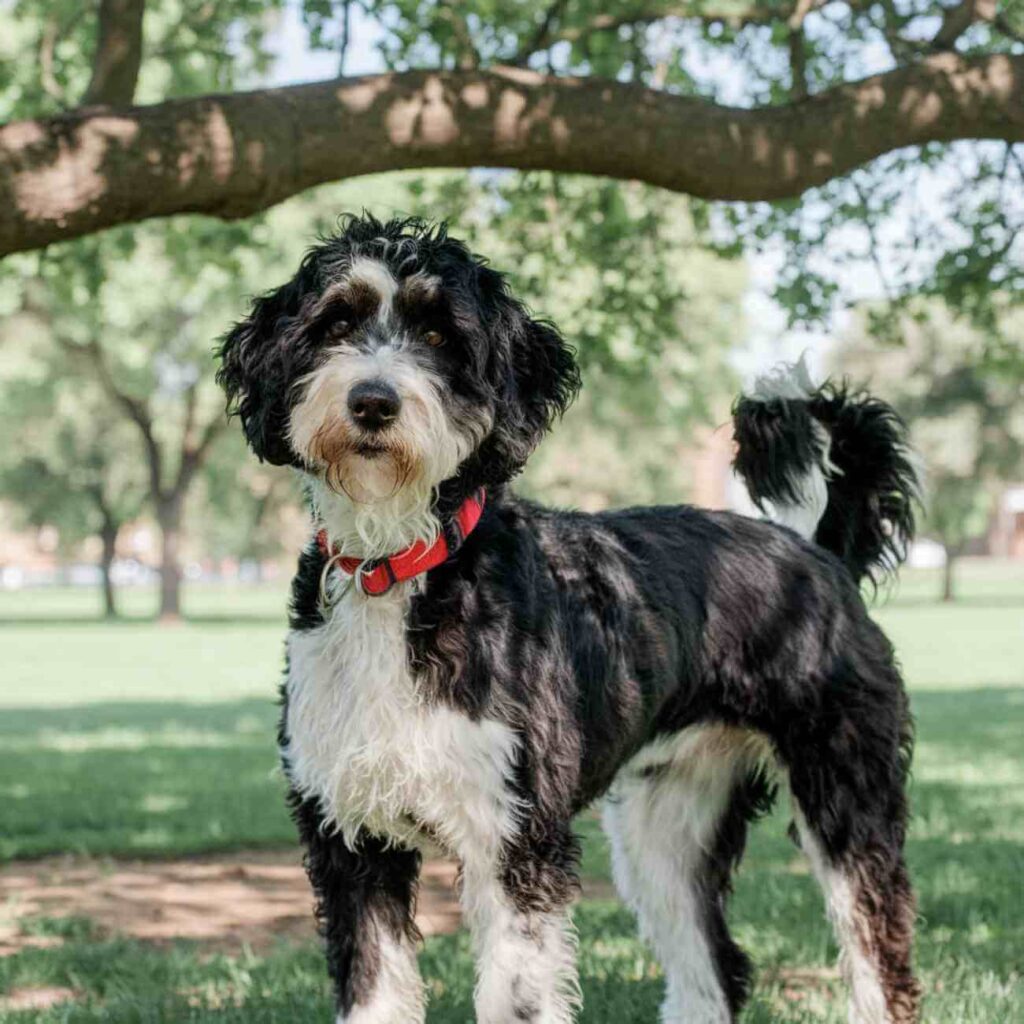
x=468 y=670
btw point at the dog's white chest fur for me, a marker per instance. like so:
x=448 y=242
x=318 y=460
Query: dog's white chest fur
x=362 y=739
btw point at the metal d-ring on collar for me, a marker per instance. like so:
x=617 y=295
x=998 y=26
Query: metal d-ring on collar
x=325 y=599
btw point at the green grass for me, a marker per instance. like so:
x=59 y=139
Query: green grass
x=131 y=738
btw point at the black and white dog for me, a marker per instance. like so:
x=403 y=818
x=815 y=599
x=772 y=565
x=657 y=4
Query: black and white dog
x=468 y=670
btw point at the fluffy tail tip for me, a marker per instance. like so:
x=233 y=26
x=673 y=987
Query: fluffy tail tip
x=833 y=464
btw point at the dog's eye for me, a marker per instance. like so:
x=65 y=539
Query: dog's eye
x=340 y=328
x=433 y=338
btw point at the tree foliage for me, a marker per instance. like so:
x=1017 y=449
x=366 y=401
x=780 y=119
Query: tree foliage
x=653 y=316
x=718 y=98
x=775 y=99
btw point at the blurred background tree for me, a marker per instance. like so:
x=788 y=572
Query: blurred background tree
x=68 y=462
x=130 y=315
x=966 y=415
x=246 y=509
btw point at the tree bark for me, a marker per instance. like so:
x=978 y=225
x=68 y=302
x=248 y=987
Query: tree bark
x=168 y=517
x=230 y=156
x=947 y=574
x=108 y=536
x=115 y=67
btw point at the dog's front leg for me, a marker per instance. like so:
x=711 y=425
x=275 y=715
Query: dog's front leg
x=365 y=901
x=516 y=903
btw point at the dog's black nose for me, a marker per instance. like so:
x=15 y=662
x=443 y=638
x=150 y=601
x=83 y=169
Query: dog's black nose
x=373 y=404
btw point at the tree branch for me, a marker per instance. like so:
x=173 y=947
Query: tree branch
x=346 y=32
x=231 y=156
x=135 y=410
x=189 y=418
x=194 y=455
x=798 y=48
x=466 y=55
x=541 y=39
x=48 y=38
x=957 y=20
x=798 y=62
x=115 y=68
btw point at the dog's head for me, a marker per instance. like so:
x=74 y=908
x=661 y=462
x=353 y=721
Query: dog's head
x=393 y=358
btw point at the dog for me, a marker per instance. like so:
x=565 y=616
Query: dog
x=468 y=670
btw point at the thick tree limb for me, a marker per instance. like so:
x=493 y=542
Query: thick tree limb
x=230 y=156
x=115 y=68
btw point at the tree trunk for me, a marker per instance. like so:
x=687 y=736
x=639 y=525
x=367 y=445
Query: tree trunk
x=947 y=574
x=108 y=534
x=168 y=516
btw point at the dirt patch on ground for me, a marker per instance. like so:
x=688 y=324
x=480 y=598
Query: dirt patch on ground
x=36 y=998
x=225 y=902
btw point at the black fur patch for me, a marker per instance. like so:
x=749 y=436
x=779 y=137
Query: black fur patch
x=869 y=519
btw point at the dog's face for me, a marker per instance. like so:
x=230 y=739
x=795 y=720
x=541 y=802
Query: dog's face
x=395 y=358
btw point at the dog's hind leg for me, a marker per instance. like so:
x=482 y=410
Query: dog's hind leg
x=850 y=817
x=677 y=819
x=871 y=908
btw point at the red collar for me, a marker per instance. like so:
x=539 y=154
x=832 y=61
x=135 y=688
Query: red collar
x=377 y=576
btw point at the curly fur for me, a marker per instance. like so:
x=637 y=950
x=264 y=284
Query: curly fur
x=789 y=433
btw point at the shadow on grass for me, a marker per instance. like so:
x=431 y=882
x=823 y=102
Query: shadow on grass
x=136 y=778
x=965 y=725
x=165 y=779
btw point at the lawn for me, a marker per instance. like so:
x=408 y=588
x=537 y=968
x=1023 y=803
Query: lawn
x=130 y=738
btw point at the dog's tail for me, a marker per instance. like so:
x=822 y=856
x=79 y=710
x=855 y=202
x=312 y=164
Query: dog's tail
x=830 y=463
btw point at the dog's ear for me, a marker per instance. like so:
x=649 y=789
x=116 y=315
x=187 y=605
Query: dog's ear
x=534 y=375
x=259 y=360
